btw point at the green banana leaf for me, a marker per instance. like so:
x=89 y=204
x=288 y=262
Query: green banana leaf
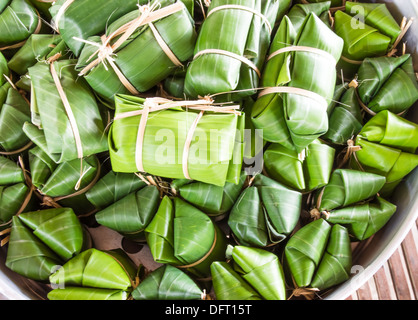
x=211 y=199
x=229 y=285
x=347 y=187
x=38 y=47
x=290 y=119
x=265 y=214
x=113 y=187
x=185 y=237
x=173 y=85
x=209 y=161
x=65 y=184
x=388 y=144
x=364 y=220
x=299 y=12
x=113 y=271
x=167 y=283
x=43 y=7
x=334 y=3
x=131 y=214
x=345 y=117
x=261 y=269
x=290 y=169
x=237 y=31
x=14 y=112
x=51 y=128
x=388 y=83
x=253 y=138
x=304 y=250
x=18 y=20
x=336 y=263
x=97 y=15
x=139 y=52
x=41 y=241
x=4 y=69
x=15 y=195
x=368 y=30
x=84 y=294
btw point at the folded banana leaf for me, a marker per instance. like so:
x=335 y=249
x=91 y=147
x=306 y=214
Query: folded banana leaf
x=304 y=250
x=368 y=30
x=14 y=112
x=300 y=11
x=66 y=184
x=334 y=3
x=185 y=237
x=18 y=20
x=304 y=172
x=95 y=275
x=43 y=7
x=38 y=47
x=261 y=269
x=97 y=15
x=254 y=139
x=144 y=59
x=167 y=283
x=4 y=69
x=52 y=129
x=15 y=195
x=174 y=84
x=388 y=83
x=345 y=117
x=265 y=214
x=166 y=131
x=388 y=144
x=296 y=115
x=214 y=200
x=131 y=215
x=41 y=241
x=240 y=38
x=363 y=220
x=336 y=263
x=112 y=188
x=347 y=187
x=229 y=285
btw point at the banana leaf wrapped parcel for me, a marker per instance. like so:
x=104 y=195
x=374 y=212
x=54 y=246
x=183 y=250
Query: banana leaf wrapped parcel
x=231 y=47
x=363 y=219
x=78 y=279
x=139 y=50
x=368 y=30
x=347 y=187
x=306 y=171
x=131 y=215
x=14 y=113
x=39 y=243
x=265 y=213
x=38 y=47
x=387 y=83
x=168 y=283
x=15 y=195
x=318 y=256
x=185 y=237
x=177 y=142
x=64 y=184
x=300 y=11
x=214 y=200
x=345 y=116
x=112 y=187
x=229 y=285
x=261 y=269
x=97 y=14
x=300 y=80
x=388 y=146
x=67 y=122
x=18 y=20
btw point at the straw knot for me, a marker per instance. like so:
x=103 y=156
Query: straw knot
x=315 y=214
x=50 y=202
x=353 y=84
x=308 y=293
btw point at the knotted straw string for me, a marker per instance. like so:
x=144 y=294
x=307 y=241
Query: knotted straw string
x=20 y=44
x=321 y=52
x=315 y=213
x=106 y=50
x=348 y=152
x=159 y=104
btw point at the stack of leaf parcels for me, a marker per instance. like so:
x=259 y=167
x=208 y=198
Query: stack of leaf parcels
x=246 y=144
